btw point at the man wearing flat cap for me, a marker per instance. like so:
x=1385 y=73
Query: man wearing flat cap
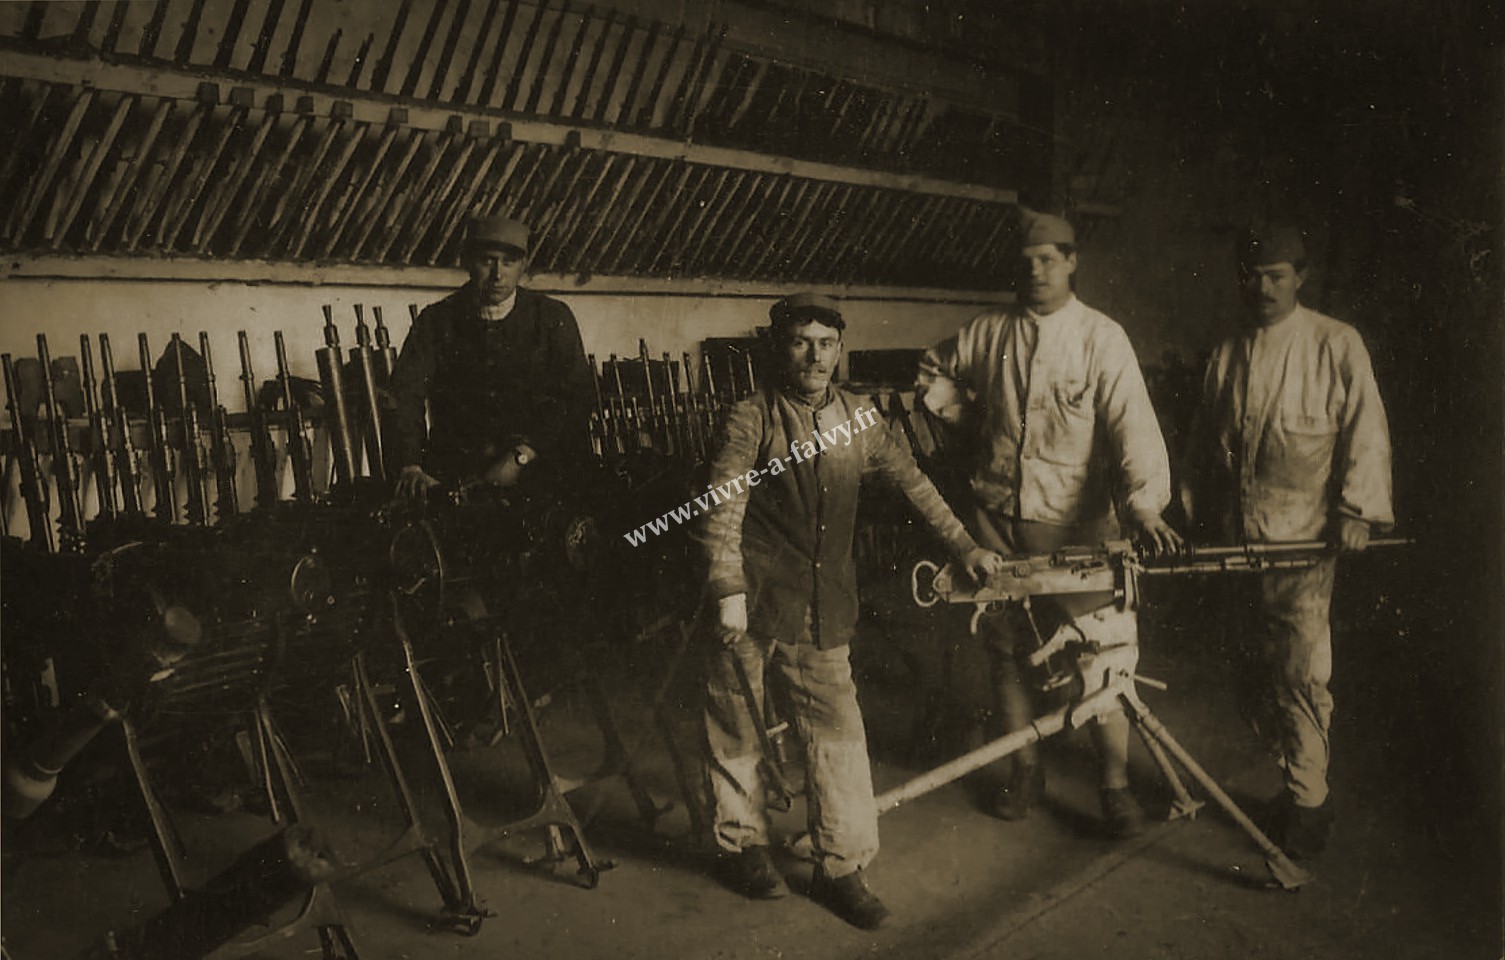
x=776 y=536
x=1064 y=450
x=1291 y=443
x=500 y=370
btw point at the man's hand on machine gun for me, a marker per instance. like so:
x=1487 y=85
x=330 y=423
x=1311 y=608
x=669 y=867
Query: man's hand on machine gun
x=732 y=618
x=414 y=484
x=982 y=564
x=1350 y=534
x=1157 y=536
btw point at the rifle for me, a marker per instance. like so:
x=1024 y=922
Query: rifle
x=33 y=483
x=99 y=433
x=332 y=379
x=365 y=358
x=221 y=446
x=263 y=450
x=297 y=439
x=1113 y=568
x=124 y=451
x=159 y=454
x=192 y=450
x=71 y=515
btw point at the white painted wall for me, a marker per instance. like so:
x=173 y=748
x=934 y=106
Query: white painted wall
x=609 y=323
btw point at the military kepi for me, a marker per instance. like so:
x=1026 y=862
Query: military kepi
x=1266 y=244
x=1037 y=228
x=805 y=306
x=498 y=233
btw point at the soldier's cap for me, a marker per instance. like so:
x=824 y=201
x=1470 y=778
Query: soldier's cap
x=1036 y=228
x=498 y=233
x=1264 y=244
x=804 y=307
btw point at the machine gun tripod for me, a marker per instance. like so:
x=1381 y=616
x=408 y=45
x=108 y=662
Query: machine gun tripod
x=1102 y=669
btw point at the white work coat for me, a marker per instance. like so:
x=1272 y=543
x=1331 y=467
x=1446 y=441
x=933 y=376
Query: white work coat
x=1063 y=425
x=1291 y=432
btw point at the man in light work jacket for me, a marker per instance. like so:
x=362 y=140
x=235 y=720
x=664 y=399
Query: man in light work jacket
x=776 y=537
x=1061 y=430
x=1291 y=443
x=500 y=370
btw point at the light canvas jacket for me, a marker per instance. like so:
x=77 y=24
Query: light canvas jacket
x=1313 y=444
x=1082 y=440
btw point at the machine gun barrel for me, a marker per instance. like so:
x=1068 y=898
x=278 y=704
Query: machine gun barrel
x=263 y=450
x=655 y=412
x=71 y=514
x=33 y=483
x=386 y=354
x=366 y=361
x=221 y=446
x=158 y=452
x=194 y=471
x=332 y=380
x=124 y=447
x=99 y=432
x=297 y=437
x=1249 y=557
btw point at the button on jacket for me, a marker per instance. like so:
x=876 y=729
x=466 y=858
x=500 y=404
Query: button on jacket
x=786 y=541
x=1066 y=430
x=489 y=384
x=1292 y=431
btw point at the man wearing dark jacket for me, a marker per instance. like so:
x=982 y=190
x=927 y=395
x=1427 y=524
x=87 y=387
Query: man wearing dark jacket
x=778 y=547
x=500 y=371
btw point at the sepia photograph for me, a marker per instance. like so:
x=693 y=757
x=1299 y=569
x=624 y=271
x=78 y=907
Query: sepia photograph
x=752 y=479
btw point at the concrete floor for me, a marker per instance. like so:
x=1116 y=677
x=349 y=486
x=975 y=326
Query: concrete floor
x=1406 y=876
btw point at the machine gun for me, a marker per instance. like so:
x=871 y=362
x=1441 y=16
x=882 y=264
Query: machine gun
x=1113 y=568
x=332 y=380
x=1101 y=667
x=371 y=362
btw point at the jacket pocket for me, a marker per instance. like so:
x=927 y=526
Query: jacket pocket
x=1302 y=454
x=1070 y=417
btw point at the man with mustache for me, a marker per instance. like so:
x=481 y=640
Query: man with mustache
x=1291 y=443
x=500 y=369
x=1064 y=449
x=778 y=549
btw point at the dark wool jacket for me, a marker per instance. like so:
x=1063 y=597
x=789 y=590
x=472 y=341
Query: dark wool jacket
x=786 y=539
x=489 y=385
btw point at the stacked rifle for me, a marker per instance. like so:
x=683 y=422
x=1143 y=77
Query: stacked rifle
x=644 y=409
x=85 y=459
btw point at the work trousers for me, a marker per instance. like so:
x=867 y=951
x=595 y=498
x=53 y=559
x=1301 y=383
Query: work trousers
x=1010 y=636
x=815 y=690
x=1281 y=621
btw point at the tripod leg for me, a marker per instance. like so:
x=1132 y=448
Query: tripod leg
x=1287 y=874
x=1184 y=804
